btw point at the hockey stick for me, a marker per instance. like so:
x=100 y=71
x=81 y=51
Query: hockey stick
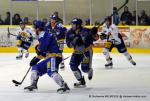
x=8 y=34
x=19 y=83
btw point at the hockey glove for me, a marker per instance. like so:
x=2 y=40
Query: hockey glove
x=34 y=61
x=108 y=44
x=78 y=41
x=36 y=49
x=103 y=36
x=38 y=52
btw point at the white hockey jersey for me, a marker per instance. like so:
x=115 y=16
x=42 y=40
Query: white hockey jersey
x=113 y=31
x=25 y=34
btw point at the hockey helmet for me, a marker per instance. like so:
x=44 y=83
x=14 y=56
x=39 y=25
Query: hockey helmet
x=39 y=24
x=77 y=21
x=22 y=23
x=108 y=18
x=53 y=17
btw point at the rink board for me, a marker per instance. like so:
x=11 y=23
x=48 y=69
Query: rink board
x=68 y=50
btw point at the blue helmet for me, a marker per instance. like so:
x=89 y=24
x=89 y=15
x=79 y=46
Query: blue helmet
x=39 y=24
x=53 y=17
x=77 y=21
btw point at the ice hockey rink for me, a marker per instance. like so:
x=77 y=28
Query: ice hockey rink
x=122 y=83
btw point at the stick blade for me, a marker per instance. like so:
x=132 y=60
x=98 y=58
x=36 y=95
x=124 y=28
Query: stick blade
x=16 y=82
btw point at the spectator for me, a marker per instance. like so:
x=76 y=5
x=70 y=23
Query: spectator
x=1 y=21
x=115 y=16
x=134 y=18
x=97 y=23
x=126 y=16
x=26 y=21
x=7 y=19
x=87 y=22
x=143 y=18
x=16 y=19
x=149 y=19
x=58 y=18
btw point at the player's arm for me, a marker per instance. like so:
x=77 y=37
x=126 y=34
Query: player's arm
x=30 y=35
x=40 y=49
x=93 y=35
x=103 y=34
x=69 y=39
x=43 y=45
x=18 y=38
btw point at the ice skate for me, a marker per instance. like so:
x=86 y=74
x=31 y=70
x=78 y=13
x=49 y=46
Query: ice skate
x=64 y=89
x=133 y=62
x=90 y=74
x=31 y=88
x=109 y=65
x=27 y=55
x=19 y=57
x=80 y=84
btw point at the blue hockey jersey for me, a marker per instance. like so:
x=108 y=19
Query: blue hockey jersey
x=48 y=44
x=59 y=30
x=85 y=42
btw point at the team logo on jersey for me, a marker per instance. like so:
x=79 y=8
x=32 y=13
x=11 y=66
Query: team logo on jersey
x=24 y=34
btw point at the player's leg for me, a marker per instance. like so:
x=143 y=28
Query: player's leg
x=26 y=48
x=62 y=64
x=61 y=47
x=37 y=71
x=122 y=49
x=20 y=55
x=86 y=65
x=20 y=49
x=52 y=70
x=74 y=63
x=129 y=57
x=108 y=47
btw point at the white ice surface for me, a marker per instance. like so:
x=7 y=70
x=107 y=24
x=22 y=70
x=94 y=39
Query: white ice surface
x=122 y=83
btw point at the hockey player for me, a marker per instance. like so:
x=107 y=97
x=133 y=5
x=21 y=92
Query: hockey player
x=56 y=28
x=81 y=40
x=48 y=49
x=24 y=40
x=112 y=38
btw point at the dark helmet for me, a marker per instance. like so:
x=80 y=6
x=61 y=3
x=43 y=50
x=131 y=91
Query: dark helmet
x=53 y=17
x=77 y=21
x=39 y=24
x=94 y=30
x=108 y=18
x=22 y=23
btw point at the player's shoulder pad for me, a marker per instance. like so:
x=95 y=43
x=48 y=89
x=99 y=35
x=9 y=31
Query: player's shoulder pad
x=47 y=24
x=41 y=34
x=113 y=27
x=104 y=25
x=60 y=25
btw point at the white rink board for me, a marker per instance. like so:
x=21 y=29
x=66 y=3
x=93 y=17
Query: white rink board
x=107 y=85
